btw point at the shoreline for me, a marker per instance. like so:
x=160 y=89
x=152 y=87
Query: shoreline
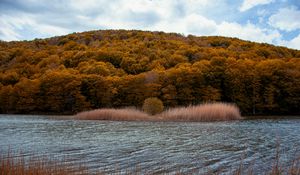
x=71 y=117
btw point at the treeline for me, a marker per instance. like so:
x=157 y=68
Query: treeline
x=117 y=68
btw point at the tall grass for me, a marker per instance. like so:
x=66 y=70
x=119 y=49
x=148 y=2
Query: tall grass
x=18 y=165
x=199 y=113
x=203 y=112
x=125 y=114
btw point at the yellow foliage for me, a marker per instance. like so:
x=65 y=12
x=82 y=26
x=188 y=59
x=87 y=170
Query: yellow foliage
x=153 y=106
x=117 y=68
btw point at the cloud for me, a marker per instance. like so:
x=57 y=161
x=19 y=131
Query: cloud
x=248 y=4
x=12 y=26
x=7 y=33
x=190 y=24
x=200 y=25
x=293 y=43
x=248 y=32
x=29 y=19
x=286 y=19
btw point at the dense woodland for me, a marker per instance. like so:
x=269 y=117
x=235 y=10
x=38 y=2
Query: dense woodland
x=117 y=68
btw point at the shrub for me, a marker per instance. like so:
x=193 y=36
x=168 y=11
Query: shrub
x=153 y=106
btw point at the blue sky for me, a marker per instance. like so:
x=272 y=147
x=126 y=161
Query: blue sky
x=271 y=21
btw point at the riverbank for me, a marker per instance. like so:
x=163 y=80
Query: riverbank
x=198 y=113
x=270 y=117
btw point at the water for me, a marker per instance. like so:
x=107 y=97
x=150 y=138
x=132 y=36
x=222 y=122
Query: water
x=154 y=147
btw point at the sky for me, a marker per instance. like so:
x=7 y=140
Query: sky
x=269 y=21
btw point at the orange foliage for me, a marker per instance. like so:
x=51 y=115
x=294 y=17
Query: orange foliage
x=112 y=68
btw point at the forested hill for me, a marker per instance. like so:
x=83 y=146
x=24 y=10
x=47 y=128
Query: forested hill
x=117 y=68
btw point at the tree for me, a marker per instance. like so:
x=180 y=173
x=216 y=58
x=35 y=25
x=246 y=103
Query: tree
x=27 y=92
x=117 y=68
x=98 y=90
x=60 y=92
x=7 y=99
x=153 y=106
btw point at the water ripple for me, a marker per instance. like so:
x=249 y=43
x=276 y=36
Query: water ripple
x=153 y=146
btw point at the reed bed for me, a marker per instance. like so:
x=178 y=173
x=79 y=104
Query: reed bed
x=125 y=114
x=18 y=165
x=200 y=113
x=203 y=113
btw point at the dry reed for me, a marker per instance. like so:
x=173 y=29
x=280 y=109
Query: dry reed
x=199 y=113
x=203 y=113
x=126 y=114
x=18 y=165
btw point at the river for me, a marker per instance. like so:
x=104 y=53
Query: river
x=154 y=147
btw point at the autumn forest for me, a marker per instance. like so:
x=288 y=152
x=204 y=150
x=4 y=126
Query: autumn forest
x=120 y=68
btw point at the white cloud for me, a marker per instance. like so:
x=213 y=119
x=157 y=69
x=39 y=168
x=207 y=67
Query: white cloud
x=82 y=5
x=248 y=4
x=248 y=32
x=7 y=32
x=293 y=43
x=191 y=24
x=286 y=19
x=200 y=25
x=198 y=17
x=13 y=26
x=135 y=17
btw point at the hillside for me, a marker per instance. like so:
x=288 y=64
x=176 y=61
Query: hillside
x=117 y=68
